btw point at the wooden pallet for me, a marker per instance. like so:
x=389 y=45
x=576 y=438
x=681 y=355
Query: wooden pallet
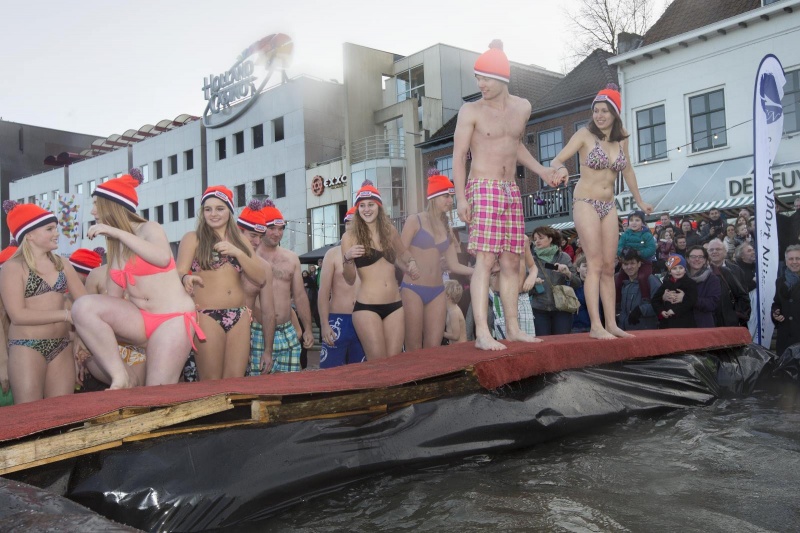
x=220 y=412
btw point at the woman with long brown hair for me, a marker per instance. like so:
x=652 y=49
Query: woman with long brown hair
x=157 y=311
x=593 y=205
x=429 y=238
x=34 y=283
x=213 y=260
x=372 y=247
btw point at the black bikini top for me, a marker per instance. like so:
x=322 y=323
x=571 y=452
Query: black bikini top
x=367 y=260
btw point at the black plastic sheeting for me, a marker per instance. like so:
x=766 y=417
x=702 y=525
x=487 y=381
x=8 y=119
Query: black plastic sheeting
x=219 y=479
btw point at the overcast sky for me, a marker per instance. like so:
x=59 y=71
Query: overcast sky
x=104 y=66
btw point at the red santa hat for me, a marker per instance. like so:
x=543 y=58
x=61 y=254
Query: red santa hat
x=24 y=218
x=122 y=190
x=252 y=218
x=493 y=63
x=219 y=192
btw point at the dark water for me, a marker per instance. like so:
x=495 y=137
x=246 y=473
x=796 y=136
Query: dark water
x=730 y=466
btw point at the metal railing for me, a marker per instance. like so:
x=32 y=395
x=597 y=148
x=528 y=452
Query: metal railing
x=378 y=147
x=549 y=203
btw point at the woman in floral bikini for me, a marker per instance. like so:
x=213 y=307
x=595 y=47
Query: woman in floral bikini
x=593 y=203
x=211 y=261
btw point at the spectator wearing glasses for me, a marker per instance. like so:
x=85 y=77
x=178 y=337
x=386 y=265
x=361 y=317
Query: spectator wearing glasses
x=708 y=287
x=734 y=302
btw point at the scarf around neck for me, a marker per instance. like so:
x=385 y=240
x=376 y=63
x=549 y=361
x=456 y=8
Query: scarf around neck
x=701 y=275
x=791 y=278
x=546 y=254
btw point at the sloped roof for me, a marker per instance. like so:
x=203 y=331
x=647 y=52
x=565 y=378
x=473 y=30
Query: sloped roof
x=686 y=15
x=591 y=75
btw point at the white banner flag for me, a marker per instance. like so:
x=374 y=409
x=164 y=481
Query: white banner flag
x=767 y=132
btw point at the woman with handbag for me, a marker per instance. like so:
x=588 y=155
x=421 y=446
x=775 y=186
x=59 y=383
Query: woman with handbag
x=556 y=278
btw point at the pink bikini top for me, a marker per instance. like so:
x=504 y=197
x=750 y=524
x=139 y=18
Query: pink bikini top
x=136 y=266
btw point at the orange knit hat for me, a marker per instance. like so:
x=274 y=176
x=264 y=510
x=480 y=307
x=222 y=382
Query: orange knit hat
x=8 y=251
x=350 y=213
x=368 y=190
x=493 y=63
x=252 y=218
x=219 y=192
x=611 y=96
x=273 y=215
x=85 y=260
x=122 y=190
x=439 y=185
x=23 y=218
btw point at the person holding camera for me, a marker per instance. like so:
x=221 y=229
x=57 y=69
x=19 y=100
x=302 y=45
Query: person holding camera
x=554 y=268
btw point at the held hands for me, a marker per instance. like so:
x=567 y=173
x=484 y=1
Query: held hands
x=556 y=177
x=308 y=339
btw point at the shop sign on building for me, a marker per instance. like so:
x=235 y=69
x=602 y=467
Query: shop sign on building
x=244 y=81
x=786 y=180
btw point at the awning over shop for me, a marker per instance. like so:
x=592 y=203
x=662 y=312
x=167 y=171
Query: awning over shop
x=702 y=186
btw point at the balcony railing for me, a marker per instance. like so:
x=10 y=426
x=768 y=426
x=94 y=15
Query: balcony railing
x=378 y=147
x=549 y=203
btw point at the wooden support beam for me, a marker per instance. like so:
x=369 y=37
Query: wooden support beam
x=85 y=440
x=119 y=414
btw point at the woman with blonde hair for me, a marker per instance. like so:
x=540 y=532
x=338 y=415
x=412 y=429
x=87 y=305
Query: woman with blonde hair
x=371 y=247
x=157 y=313
x=213 y=260
x=429 y=239
x=34 y=284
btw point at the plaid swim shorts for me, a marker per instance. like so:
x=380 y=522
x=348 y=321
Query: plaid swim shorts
x=256 y=349
x=498 y=224
x=286 y=349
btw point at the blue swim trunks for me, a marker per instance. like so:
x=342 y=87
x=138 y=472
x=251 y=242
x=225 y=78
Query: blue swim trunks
x=347 y=349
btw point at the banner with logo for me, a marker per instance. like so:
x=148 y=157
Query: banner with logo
x=767 y=132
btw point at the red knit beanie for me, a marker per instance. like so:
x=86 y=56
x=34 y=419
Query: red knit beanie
x=439 y=185
x=85 y=260
x=8 y=251
x=23 y=218
x=272 y=214
x=122 y=190
x=350 y=213
x=252 y=218
x=366 y=191
x=611 y=96
x=493 y=63
x=221 y=193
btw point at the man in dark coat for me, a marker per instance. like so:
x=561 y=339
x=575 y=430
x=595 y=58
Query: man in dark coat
x=789 y=229
x=734 y=303
x=786 y=305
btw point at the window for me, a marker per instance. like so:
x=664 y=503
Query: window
x=160 y=214
x=221 y=149
x=241 y=195
x=258 y=187
x=190 y=208
x=258 y=136
x=92 y=185
x=550 y=143
x=174 y=216
x=188 y=159
x=173 y=164
x=104 y=179
x=45 y=198
x=410 y=84
x=578 y=126
x=145 y=173
x=790 y=102
x=31 y=199
x=116 y=175
x=280 y=186
x=238 y=140
x=444 y=166
x=159 y=169
x=707 y=119
x=324 y=225
x=277 y=129
x=520 y=172
x=79 y=188
x=145 y=213
x=651 y=133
